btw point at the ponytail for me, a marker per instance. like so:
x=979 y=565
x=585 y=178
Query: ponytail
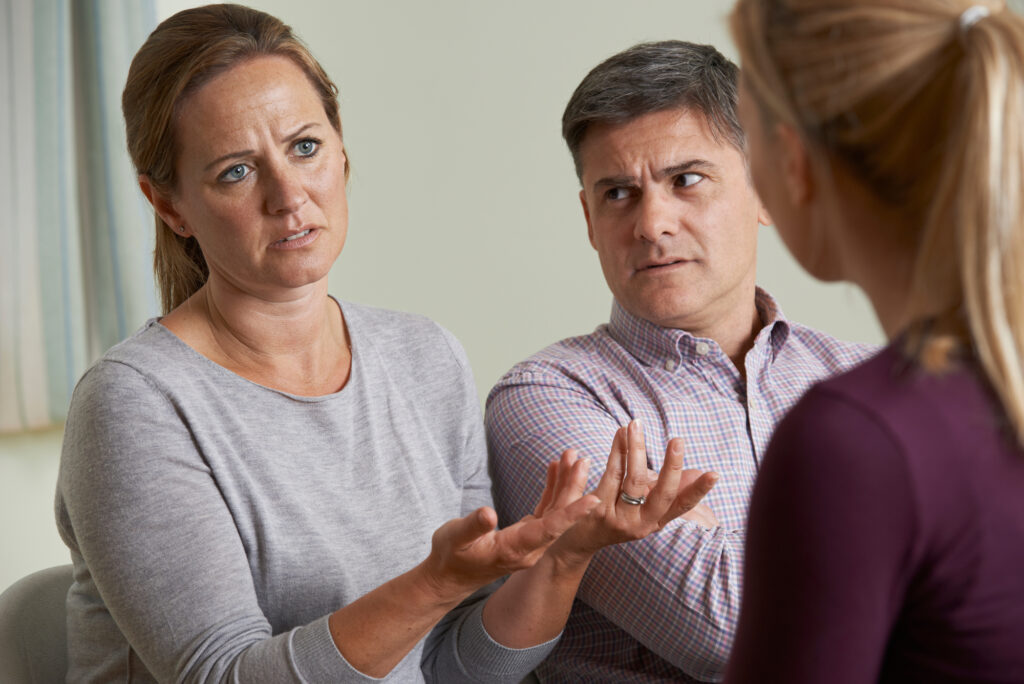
x=924 y=101
x=986 y=173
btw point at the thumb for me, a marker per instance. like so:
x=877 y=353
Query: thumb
x=462 y=532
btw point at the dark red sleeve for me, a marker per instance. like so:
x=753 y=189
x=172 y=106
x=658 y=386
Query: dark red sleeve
x=831 y=521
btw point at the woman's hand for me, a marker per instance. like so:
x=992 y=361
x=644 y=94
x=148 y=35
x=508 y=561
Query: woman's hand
x=659 y=500
x=468 y=553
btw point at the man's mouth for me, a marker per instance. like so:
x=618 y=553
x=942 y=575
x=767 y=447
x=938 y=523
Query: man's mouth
x=661 y=264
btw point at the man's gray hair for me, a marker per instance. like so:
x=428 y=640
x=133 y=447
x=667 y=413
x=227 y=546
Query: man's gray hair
x=653 y=77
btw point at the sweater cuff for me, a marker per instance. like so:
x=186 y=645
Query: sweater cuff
x=484 y=658
x=317 y=658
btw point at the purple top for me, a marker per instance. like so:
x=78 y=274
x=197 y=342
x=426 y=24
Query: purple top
x=886 y=535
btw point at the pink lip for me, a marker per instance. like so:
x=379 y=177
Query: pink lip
x=297 y=242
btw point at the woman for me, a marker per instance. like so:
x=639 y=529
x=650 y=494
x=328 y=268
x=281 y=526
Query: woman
x=250 y=485
x=886 y=538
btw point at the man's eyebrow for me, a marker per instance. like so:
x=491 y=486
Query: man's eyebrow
x=674 y=170
x=243 y=153
x=686 y=167
x=614 y=182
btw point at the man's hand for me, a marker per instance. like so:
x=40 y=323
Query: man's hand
x=614 y=520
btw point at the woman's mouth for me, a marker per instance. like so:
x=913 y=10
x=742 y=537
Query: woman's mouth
x=297 y=241
x=295 y=237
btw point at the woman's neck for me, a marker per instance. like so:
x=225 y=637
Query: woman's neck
x=875 y=249
x=299 y=345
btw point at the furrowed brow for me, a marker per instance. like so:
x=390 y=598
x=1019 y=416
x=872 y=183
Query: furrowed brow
x=687 y=167
x=614 y=182
x=244 y=153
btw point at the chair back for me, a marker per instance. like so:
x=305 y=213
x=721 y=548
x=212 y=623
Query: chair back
x=33 y=628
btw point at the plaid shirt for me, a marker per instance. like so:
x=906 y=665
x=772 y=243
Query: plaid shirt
x=663 y=608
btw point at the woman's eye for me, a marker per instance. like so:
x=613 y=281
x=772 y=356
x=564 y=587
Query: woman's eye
x=235 y=173
x=687 y=179
x=307 y=147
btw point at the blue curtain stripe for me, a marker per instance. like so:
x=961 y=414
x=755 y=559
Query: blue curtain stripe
x=76 y=276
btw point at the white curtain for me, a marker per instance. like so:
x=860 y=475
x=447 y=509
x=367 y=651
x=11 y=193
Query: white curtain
x=75 y=233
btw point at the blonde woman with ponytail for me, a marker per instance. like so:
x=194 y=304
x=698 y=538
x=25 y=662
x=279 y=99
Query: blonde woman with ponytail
x=886 y=538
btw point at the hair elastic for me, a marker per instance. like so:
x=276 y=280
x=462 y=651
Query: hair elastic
x=971 y=16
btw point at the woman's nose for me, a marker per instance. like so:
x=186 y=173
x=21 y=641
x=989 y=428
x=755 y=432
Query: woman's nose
x=285 y=190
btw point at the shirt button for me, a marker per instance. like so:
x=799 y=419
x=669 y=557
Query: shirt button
x=670 y=365
x=703 y=348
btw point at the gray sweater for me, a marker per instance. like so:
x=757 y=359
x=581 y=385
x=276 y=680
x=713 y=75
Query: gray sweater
x=214 y=524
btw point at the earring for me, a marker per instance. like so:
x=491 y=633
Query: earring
x=181 y=229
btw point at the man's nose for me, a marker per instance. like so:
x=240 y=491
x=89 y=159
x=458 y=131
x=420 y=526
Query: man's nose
x=657 y=215
x=285 y=191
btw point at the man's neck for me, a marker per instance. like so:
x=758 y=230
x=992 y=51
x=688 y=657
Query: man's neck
x=738 y=342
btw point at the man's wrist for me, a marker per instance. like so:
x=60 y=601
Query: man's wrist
x=565 y=561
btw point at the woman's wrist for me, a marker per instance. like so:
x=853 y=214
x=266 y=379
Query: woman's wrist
x=437 y=587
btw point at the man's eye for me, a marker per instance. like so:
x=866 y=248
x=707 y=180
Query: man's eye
x=687 y=179
x=235 y=173
x=617 y=193
x=307 y=147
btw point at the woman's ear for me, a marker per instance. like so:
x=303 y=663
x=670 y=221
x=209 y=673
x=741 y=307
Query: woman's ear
x=163 y=206
x=794 y=165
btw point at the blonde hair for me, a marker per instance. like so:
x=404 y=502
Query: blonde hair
x=926 y=108
x=182 y=54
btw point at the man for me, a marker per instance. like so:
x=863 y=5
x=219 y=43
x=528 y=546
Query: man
x=693 y=349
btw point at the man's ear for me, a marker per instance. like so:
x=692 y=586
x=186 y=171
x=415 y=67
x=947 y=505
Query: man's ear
x=795 y=165
x=163 y=206
x=586 y=215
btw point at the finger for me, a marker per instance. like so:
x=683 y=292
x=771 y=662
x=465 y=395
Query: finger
x=565 y=492
x=690 y=494
x=548 y=494
x=666 y=489
x=611 y=482
x=703 y=515
x=462 y=532
x=572 y=481
x=635 y=481
x=529 y=535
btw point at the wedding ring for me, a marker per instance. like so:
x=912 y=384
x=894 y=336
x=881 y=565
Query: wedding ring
x=632 y=500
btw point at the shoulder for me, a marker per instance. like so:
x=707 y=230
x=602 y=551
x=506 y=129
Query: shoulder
x=866 y=391
x=565 y=386
x=836 y=454
x=137 y=366
x=571 y=362
x=404 y=337
x=885 y=407
x=833 y=354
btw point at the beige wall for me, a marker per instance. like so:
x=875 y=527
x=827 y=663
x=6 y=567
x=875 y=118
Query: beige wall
x=463 y=199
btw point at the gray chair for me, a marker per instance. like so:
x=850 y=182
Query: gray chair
x=33 y=628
